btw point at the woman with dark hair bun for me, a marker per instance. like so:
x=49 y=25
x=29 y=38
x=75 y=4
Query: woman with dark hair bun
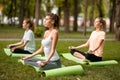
x=95 y=43
x=28 y=41
x=48 y=45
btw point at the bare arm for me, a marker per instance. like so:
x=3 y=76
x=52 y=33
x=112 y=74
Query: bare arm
x=15 y=44
x=81 y=46
x=100 y=43
x=40 y=50
x=23 y=43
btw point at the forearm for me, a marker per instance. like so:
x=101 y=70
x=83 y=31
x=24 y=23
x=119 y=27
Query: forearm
x=16 y=44
x=101 y=42
x=81 y=46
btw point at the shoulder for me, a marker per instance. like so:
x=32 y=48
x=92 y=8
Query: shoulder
x=102 y=32
x=55 y=31
x=93 y=32
x=30 y=31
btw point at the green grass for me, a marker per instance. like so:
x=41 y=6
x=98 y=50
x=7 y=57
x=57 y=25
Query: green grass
x=15 y=32
x=10 y=69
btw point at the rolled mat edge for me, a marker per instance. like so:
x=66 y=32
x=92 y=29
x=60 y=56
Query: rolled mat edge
x=103 y=63
x=64 y=71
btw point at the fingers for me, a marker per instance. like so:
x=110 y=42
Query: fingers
x=24 y=57
x=71 y=47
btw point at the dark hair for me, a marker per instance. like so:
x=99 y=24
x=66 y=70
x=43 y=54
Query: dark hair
x=103 y=26
x=30 y=22
x=55 y=18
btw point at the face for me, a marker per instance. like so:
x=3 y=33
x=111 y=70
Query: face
x=97 y=23
x=24 y=24
x=47 y=22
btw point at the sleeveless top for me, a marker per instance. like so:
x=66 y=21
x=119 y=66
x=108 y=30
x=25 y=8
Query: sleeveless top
x=47 y=43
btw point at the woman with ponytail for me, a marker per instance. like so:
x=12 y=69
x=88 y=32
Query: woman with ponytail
x=48 y=45
x=95 y=43
x=27 y=44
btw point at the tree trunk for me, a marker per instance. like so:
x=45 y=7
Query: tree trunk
x=86 y=6
x=92 y=13
x=59 y=14
x=75 y=27
x=118 y=20
x=99 y=6
x=21 y=17
x=112 y=15
x=66 y=15
x=37 y=12
x=48 y=6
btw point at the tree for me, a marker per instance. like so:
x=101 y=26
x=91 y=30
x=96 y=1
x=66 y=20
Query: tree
x=37 y=11
x=66 y=15
x=21 y=16
x=48 y=8
x=112 y=15
x=100 y=8
x=92 y=13
x=118 y=20
x=75 y=15
x=86 y=6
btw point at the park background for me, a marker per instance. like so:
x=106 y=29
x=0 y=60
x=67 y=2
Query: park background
x=76 y=23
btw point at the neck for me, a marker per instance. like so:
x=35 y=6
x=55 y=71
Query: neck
x=27 y=29
x=50 y=29
x=97 y=29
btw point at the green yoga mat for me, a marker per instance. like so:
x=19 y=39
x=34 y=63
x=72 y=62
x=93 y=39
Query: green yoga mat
x=103 y=63
x=100 y=63
x=64 y=71
x=9 y=53
x=36 y=68
x=71 y=57
x=22 y=61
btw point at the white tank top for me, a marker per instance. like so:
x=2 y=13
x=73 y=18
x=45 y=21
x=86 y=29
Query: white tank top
x=47 y=43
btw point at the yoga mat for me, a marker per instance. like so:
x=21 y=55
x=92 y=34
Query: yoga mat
x=103 y=63
x=71 y=57
x=99 y=63
x=64 y=71
x=9 y=53
x=36 y=68
x=22 y=61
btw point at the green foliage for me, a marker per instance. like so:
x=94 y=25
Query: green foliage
x=39 y=31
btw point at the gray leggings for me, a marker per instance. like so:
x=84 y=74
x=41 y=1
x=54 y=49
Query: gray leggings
x=49 y=65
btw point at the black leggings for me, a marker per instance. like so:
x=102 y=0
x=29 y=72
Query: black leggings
x=19 y=50
x=88 y=56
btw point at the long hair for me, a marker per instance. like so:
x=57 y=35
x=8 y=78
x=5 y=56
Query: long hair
x=103 y=26
x=55 y=18
x=31 y=25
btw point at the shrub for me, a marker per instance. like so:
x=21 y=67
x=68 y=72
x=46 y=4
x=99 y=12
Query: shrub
x=39 y=31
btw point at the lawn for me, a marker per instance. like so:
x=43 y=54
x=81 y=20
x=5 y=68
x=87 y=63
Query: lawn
x=15 y=32
x=10 y=69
